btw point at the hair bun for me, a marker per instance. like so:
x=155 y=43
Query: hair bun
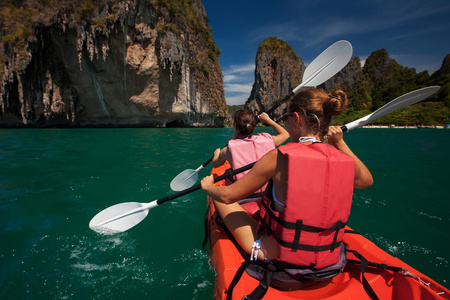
x=335 y=97
x=337 y=102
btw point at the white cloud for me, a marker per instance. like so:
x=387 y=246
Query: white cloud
x=228 y=78
x=240 y=69
x=238 y=83
x=238 y=88
x=236 y=100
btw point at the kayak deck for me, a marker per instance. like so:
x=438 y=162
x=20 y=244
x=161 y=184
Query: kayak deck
x=226 y=260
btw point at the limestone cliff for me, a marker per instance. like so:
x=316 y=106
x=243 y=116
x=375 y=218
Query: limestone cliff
x=278 y=71
x=121 y=63
x=351 y=79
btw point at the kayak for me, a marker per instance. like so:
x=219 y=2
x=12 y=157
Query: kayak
x=409 y=284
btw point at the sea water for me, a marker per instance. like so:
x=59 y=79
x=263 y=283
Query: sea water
x=53 y=181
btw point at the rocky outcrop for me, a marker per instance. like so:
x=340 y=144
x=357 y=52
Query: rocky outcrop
x=351 y=79
x=128 y=63
x=348 y=76
x=445 y=67
x=368 y=87
x=278 y=71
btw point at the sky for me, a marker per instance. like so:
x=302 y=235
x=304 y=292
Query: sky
x=415 y=33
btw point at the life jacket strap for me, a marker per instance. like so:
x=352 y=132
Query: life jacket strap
x=298 y=226
x=292 y=225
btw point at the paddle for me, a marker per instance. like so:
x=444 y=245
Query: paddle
x=396 y=104
x=123 y=216
x=322 y=68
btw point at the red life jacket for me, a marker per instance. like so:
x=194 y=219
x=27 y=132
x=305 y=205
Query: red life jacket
x=319 y=189
x=248 y=150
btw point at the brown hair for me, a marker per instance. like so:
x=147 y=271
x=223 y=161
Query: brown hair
x=318 y=107
x=245 y=122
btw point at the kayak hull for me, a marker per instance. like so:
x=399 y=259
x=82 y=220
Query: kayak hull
x=225 y=261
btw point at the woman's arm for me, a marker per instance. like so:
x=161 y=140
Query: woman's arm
x=363 y=177
x=260 y=174
x=282 y=134
x=220 y=156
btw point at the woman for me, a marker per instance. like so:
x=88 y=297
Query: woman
x=247 y=147
x=308 y=178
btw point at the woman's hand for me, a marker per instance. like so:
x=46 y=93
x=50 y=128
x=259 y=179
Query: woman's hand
x=264 y=118
x=207 y=182
x=335 y=136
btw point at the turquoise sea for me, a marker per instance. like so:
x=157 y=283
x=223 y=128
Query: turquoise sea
x=53 y=181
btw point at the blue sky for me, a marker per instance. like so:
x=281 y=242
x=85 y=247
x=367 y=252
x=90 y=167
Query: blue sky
x=415 y=33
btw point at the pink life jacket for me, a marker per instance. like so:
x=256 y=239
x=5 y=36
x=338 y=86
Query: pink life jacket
x=248 y=150
x=319 y=190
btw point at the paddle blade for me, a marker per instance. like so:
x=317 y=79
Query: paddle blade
x=119 y=217
x=327 y=64
x=184 y=180
x=404 y=101
x=396 y=104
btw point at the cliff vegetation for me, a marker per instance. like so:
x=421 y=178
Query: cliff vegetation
x=108 y=63
x=369 y=86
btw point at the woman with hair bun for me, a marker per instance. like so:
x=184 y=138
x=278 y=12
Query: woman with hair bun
x=310 y=188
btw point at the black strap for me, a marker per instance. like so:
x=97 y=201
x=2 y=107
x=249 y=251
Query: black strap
x=292 y=225
x=304 y=247
x=298 y=226
x=372 y=264
x=333 y=245
x=364 y=263
x=298 y=231
x=263 y=286
x=236 y=278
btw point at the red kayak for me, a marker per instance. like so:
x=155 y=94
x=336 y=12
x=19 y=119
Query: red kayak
x=406 y=284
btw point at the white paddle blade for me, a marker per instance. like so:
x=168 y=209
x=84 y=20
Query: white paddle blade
x=119 y=218
x=404 y=101
x=327 y=64
x=396 y=104
x=184 y=180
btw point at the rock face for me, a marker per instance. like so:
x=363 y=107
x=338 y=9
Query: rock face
x=348 y=76
x=130 y=63
x=445 y=67
x=351 y=79
x=278 y=71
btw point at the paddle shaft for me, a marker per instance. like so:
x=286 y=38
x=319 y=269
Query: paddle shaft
x=198 y=186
